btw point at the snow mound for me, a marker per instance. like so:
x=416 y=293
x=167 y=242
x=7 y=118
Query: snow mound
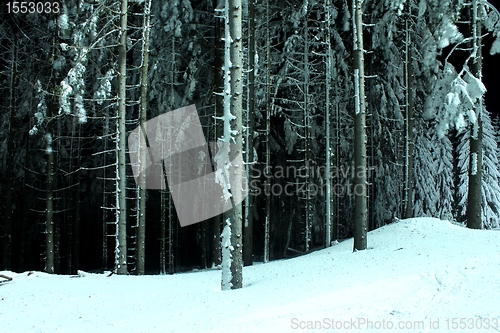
x=418 y=275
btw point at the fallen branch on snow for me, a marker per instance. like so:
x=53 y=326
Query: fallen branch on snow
x=7 y=278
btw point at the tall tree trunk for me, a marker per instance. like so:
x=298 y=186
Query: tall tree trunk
x=360 y=190
x=338 y=203
x=474 y=198
x=76 y=226
x=328 y=180
x=50 y=178
x=121 y=181
x=9 y=172
x=172 y=239
x=218 y=112
x=236 y=109
x=234 y=250
x=248 y=230
x=141 y=213
x=49 y=198
x=307 y=144
x=409 y=121
x=267 y=183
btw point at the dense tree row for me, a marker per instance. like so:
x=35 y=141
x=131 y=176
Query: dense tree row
x=350 y=115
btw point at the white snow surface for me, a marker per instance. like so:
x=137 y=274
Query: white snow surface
x=415 y=272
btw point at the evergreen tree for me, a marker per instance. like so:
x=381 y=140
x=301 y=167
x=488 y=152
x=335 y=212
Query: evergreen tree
x=490 y=198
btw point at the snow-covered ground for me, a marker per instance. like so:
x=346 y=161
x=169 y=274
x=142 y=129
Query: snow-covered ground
x=418 y=275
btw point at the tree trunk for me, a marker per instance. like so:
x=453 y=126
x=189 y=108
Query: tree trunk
x=59 y=224
x=171 y=238
x=248 y=230
x=163 y=233
x=7 y=265
x=267 y=183
x=202 y=229
x=328 y=180
x=236 y=109
x=218 y=112
x=105 y=193
x=76 y=226
x=474 y=198
x=233 y=109
x=409 y=121
x=359 y=190
x=121 y=181
x=49 y=203
x=141 y=214
x=307 y=143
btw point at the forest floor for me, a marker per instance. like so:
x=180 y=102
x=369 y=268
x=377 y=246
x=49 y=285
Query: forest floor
x=418 y=275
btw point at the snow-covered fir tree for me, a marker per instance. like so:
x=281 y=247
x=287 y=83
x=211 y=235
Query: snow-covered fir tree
x=434 y=187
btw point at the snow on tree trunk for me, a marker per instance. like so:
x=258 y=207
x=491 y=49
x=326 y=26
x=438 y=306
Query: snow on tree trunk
x=232 y=119
x=227 y=258
x=235 y=23
x=49 y=222
x=121 y=142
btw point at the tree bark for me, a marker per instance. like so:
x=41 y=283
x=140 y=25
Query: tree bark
x=141 y=227
x=49 y=198
x=236 y=109
x=232 y=261
x=328 y=148
x=163 y=233
x=248 y=230
x=121 y=181
x=105 y=193
x=10 y=160
x=218 y=112
x=267 y=183
x=76 y=226
x=307 y=143
x=359 y=190
x=409 y=121
x=474 y=197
